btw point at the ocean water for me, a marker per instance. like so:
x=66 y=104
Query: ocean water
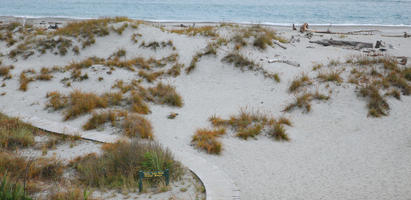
x=381 y=12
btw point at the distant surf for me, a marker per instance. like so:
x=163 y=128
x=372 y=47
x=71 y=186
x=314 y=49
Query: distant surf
x=279 y=12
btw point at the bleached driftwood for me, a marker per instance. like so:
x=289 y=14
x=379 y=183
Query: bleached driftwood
x=356 y=45
x=361 y=32
x=405 y=35
x=289 y=62
x=279 y=44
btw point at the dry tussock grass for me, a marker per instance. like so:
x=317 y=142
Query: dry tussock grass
x=245 y=124
x=83 y=102
x=299 y=82
x=207 y=31
x=304 y=100
x=206 y=139
x=166 y=94
x=118 y=165
x=377 y=75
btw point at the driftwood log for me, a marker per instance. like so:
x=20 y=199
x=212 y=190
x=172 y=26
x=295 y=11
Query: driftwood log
x=279 y=44
x=361 y=32
x=289 y=62
x=356 y=45
x=405 y=35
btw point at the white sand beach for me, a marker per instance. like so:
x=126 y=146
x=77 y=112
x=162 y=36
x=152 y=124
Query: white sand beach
x=335 y=151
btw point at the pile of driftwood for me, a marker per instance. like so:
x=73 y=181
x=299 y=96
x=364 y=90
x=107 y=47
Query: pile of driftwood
x=331 y=42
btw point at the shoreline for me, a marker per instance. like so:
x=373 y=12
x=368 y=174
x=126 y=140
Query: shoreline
x=272 y=24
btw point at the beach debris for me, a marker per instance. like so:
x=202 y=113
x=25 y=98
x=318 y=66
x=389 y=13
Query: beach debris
x=402 y=60
x=304 y=28
x=172 y=115
x=53 y=26
x=293 y=40
x=309 y=35
x=360 y=32
x=289 y=62
x=379 y=44
x=331 y=42
x=405 y=35
x=279 y=44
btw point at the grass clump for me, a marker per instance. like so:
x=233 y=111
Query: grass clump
x=299 y=82
x=207 y=31
x=138 y=104
x=377 y=105
x=82 y=102
x=211 y=49
x=376 y=75
x=166 y=94
x=12 y=191
x=37 y=169
x=303 y=101
x=56 y=101
x=14 y=133
x=331 y=76
x=245 y=125
x=277 y=131
x=206 y=139
x=118 y=166
x=98 y=119
x=5 y=71
x=239 y=61
x=24 y=81
x=135 y=125
x=250 y=131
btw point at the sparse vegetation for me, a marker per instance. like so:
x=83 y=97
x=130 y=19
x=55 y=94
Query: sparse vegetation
x=166 y=94
x=303 y=101
x=332 y=76
x=298 y=82
x=245 y=125
x=239 y=61
x=118 y=165
x=14 y=133
x=206 y=139
x=207 y=31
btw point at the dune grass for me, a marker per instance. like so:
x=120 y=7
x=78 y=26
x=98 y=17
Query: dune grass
x=246 y=124
x=83 y=102
x=304 y=100
x=375 y=76
x=239 y=61
x=299 y=82
x=14 y=133
x=206 y=31
x=206 y=139
x=118 y=166
x=166 y=94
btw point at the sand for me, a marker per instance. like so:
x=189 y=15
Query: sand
x=335 y=152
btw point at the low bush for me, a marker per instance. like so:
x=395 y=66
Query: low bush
x=119 y=164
